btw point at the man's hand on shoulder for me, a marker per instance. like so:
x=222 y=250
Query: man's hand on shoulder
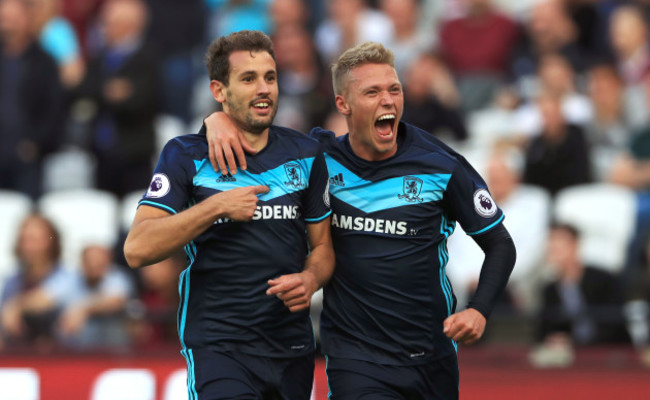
x=465 y=327
x=225 y=142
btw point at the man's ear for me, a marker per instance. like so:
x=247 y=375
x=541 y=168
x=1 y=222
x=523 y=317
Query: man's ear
x=218 y=90
x=342 y=105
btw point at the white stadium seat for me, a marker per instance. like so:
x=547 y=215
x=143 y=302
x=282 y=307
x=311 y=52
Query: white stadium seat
x=128 y=207
x=605 y=216
x=83 y=217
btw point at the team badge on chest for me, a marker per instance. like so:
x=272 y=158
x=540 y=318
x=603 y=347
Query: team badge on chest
x=294 y=176
x=411 y=188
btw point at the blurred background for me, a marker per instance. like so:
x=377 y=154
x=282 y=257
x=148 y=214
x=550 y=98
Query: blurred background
x=548 y=99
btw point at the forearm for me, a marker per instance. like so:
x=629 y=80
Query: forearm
x=320 y=263
x=153 y=239
x=35 y=301
x=500 y=256
x=103 y=305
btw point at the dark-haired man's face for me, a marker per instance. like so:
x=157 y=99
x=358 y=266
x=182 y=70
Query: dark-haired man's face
x=251 y=97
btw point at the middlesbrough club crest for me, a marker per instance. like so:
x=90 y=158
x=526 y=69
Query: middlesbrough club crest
x=411 y=188
x=294 y=176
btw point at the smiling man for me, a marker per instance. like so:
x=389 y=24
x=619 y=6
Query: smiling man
x=243 y=319
x=389 y=325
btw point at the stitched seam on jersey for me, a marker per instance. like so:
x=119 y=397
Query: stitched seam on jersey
x=487 y=228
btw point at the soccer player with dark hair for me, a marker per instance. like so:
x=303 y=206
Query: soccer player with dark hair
x=243 y=319
x=389 y=325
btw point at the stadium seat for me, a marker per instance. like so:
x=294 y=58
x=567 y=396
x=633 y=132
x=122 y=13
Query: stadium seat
x=125 y=384
x=128 y=207
x=605 y=216
x=19 y=384
x=14 y=207
x=68 y=169
x=83 y=217
x=167 y=127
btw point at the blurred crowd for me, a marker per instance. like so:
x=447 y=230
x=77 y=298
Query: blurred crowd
x=548 y=99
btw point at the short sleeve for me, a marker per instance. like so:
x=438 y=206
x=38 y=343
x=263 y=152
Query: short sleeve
x=468 y=200
x=171 y=185
x=317 y=196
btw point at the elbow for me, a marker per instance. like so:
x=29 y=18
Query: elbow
x=134 y=258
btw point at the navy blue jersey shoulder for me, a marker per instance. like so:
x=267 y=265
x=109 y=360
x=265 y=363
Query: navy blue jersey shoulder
x=390 y=222
x=224 y=304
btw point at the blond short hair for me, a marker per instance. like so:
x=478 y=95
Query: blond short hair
x=364 y=53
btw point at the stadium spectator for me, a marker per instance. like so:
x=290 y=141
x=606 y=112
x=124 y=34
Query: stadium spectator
x=121 y=87
x=431 y=101
x=477 y=47
x=153 y=314
x=629 y=37
x=582 y=303
x=30 y=102
x=632 y=170
x=411 y=38
x=304 y=85
x=556 y=77
x=290 y=13
x=177 y=29
x=234 y=15
x=59 y=39
x=93 y=317
x=548 y=30
x=351 y=22
x=82 y=15
x=34 y=296
x=559 y=156
x=608 y=132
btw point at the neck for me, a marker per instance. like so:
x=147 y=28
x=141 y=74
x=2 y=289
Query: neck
x=257 y=140
x=364 y=153
x=38 y=270
x=573 y=273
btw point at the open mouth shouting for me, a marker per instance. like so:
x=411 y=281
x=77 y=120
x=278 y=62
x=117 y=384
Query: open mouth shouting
x=385 y=126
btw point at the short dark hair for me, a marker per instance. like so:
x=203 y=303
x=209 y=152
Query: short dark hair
x=217 y=56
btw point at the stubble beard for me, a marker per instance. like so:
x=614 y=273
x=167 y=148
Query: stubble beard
x=249 y=123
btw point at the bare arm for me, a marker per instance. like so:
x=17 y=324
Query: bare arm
x=225 y=142
x=74 y=317
x=156 y=234
x=296 y=290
